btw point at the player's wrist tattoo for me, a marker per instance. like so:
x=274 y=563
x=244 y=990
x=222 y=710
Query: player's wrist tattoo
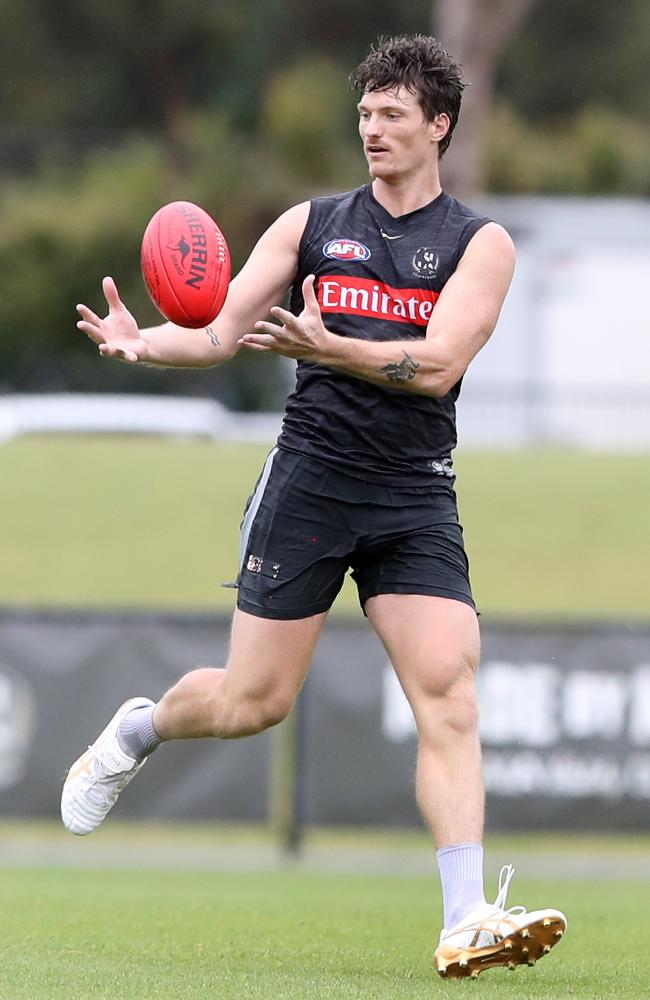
x=213 y=337
x=402 y=371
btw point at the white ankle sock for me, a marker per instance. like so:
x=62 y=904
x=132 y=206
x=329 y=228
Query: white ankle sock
x=461 y=875
x=136 y=733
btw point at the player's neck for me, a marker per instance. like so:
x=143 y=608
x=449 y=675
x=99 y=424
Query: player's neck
x=400 y=196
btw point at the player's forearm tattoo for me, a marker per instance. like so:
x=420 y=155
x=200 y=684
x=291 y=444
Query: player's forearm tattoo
x=403 y=371
x=213 y=337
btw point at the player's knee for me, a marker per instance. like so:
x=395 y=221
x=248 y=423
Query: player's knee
x=272 y=710
x=448 y=710
x=254 y=712
x=448 y=718
x=461 y=709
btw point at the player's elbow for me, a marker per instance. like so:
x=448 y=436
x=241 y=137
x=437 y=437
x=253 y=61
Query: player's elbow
x=441 y=381
x=219 y=355
x=451 y=363
x=439 y=386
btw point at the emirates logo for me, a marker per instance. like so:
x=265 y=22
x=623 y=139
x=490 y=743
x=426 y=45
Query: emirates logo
x=341 y=293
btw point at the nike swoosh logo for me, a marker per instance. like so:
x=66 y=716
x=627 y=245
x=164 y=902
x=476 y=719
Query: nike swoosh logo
x=387 y=237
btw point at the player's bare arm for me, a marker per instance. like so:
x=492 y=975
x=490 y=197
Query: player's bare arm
x=461 y=323
x=262 y=281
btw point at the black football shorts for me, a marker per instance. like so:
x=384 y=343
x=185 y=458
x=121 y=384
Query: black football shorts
x=306 y=524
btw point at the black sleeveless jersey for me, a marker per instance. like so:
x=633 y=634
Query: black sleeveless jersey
x=378 y=278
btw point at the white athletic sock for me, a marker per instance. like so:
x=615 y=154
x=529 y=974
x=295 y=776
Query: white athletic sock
x=461 y=875
x=136 y=733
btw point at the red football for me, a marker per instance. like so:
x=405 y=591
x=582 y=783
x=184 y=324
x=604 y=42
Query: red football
x=185 y=264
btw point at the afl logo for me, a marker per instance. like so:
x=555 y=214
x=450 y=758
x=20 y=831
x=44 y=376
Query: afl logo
x=346 y=250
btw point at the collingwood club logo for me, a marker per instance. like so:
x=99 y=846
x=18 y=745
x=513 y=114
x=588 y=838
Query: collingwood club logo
x=425 y=263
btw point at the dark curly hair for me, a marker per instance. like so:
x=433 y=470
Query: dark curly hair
x=419 y=63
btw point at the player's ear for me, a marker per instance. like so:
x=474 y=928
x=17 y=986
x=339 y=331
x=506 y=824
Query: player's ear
x=439 y=127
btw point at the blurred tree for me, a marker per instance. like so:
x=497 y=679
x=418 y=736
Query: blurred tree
x=476 y=32
x=343 y=30
x=317 y=135
x=598 y=152
x=116 y=108
x=76 y=65
x=74 y=74
x=568 y=55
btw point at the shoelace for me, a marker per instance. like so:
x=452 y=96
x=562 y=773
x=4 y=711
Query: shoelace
x=485 y=926
x=505 y=878
x=490 y=928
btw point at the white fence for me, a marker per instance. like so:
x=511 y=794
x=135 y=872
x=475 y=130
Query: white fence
x=173 y=416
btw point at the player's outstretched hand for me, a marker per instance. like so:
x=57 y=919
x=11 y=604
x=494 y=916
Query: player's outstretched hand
x=301 y=336
x=117 y=335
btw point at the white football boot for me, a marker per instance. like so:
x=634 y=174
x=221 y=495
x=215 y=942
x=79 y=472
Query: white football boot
x=96 y=779
x=492 y=936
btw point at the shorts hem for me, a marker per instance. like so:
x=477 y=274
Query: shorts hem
x=281 y=614
x=419 y=588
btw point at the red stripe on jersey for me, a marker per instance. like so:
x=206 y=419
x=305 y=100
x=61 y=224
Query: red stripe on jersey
x=339 y=293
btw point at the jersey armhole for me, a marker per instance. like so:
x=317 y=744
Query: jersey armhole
x=306 y=240
x=470 y=230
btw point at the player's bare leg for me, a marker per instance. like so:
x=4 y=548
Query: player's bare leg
x=434 y=646
x=267 y=664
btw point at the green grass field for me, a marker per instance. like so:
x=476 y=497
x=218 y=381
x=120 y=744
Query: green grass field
x=153 y=911
x=151 y=523
x=71 y=934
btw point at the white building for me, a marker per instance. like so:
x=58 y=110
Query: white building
x=569 y=363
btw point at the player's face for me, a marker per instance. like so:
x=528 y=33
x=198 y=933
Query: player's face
x=397 y=139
